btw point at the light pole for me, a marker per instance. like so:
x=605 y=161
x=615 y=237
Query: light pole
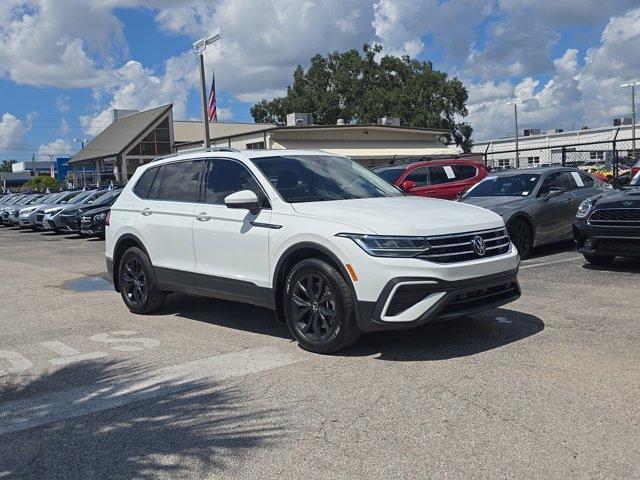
x=633 y=115
x=199 y=47
x=84 y=178
x=515 y=112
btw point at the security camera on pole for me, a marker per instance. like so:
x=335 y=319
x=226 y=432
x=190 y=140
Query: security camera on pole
x=199 y=47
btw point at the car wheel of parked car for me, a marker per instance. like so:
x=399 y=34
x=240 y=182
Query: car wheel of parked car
x=138 y=283
x=522 y=236
x=319 y=307
x=599 y=260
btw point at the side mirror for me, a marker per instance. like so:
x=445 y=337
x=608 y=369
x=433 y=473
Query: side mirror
x=554 y=192
x=245 y=199
x=407 y=185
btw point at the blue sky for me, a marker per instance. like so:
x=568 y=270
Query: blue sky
x=64 y=64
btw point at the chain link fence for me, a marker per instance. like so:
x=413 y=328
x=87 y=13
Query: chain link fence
x=610 y=159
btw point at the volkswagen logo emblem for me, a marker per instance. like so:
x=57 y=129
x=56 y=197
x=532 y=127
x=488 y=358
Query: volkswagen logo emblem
x=478 y=245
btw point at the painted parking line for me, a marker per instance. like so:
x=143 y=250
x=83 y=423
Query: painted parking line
x=552 y=262
x=87 y=399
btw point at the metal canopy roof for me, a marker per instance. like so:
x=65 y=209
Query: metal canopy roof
x=120 y=135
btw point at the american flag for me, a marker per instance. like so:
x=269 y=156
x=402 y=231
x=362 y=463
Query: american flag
x=212 y=108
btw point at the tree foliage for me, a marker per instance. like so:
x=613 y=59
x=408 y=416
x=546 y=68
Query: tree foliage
x=5 y=166
x=359 y=88
x=41 y=182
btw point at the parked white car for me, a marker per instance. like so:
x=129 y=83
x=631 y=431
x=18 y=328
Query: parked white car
x=329 y=245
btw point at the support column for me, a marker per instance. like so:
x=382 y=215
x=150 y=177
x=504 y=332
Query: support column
x=96 y=171
x=125 y=169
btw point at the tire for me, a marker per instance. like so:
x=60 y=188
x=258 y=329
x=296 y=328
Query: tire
x=522 y=236
x=319 y=307
x=137 y=282
x=600 y=260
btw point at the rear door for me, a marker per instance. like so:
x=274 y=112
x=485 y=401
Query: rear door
x=444 y=183
x=164 y=220
x=584 y=187
x=232 y=245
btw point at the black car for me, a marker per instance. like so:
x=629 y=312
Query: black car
x=70 y=220
x=608 y=226
x=92 y=222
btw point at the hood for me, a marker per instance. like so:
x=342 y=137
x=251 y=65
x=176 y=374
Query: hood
x=498 y=204
x=94 y=211
x=626 y=198
x=402 y=215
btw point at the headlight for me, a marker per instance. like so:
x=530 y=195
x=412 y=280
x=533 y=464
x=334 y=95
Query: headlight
x=53 y=211
x=385 y=246
x=584 y=209
x=27 y=210
x=100 y=216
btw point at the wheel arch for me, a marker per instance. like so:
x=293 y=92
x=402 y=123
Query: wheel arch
x=293 y=255
x=125 y=242
x=527 y=218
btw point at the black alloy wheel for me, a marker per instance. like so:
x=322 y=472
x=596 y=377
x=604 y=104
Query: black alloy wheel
x=314 y=309
x=521 y=235
x=319 y=307
x=134 y=281
x=137 y=282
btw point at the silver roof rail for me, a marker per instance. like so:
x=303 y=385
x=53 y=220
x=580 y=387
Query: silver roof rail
x=198 y=149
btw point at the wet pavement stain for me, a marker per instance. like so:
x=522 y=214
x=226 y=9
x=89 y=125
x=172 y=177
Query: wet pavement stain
x=90 y=283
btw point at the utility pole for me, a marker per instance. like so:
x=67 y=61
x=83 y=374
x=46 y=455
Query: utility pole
x=199 y=47
x=633 y=115
x=515 y=112
x=84 y=178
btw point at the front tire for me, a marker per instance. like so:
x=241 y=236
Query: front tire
x=319 y=307
x=521 y=235
x=599 y=260
x=137 y=282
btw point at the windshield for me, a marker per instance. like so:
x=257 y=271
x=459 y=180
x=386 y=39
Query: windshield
x=80 y=197
x=318 y=178
x=505 y=186
x=47 y=198
x=111 y=194
x=390 y=174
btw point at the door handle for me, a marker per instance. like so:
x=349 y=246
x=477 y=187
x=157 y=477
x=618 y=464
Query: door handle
x=203 y=217
x=146 y=212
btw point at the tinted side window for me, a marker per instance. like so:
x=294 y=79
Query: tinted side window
x=588 y=180
x=419 y=176
x=155 y=188
x=554 y=180
x=144 y=184
x=181 y=182
x=464 y=172
x=441 y=174
x=225 y=177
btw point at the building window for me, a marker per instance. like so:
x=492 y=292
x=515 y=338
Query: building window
x=533 y=160
x=155 y=143
x=597 y=155
x=255 y=146
x=504 y=162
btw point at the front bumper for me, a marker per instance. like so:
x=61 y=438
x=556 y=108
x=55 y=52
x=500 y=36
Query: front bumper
x=606 y=241
x=91 y=227
x=51 y=222
x=408 y=302
x=70 y=223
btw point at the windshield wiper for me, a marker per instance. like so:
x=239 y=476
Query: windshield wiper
x=307 y=199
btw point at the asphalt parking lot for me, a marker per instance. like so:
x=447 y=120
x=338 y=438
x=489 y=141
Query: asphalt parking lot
x=547 y=387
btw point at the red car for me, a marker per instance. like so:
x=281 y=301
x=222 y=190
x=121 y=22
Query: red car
x=635 y=169
x=446 y=178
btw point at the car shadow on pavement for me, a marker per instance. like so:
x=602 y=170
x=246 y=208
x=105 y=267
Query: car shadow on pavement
x=625 y=265
x=552 y=249
x=227 y=314
x=450 y=339
x=119 y=421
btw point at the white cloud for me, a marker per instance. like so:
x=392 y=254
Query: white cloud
x=58 y=147
x=13 y=130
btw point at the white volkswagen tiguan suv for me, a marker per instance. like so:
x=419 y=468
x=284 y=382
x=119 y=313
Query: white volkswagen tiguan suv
x=329 y=245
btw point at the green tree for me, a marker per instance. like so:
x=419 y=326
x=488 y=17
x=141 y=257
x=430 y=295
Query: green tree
x=5 y=166
x=359 y=88
x=42 y=182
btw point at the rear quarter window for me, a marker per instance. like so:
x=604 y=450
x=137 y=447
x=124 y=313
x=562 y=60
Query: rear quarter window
x=143 y=185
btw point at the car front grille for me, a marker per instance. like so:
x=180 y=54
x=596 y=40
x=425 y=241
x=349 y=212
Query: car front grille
x=39 y=217
x=460 y=247
x=616 y=217
x=618 y=245
x=473 y=299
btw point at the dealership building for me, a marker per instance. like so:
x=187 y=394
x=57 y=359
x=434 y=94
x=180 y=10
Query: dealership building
x=134 y=138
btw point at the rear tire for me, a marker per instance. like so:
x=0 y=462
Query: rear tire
x=319 y=307
x=521 y=235
x=137 y=282
x=600 y=260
